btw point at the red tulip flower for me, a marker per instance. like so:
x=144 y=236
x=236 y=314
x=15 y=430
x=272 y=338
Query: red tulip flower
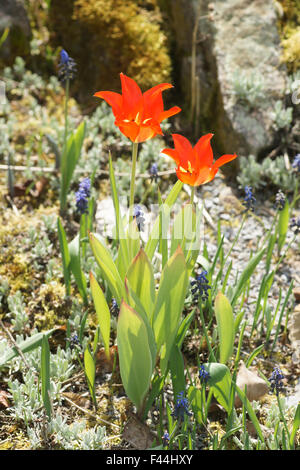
x=195 y=164
x=138 y=115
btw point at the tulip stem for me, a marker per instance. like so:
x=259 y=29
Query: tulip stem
x=132 y=182
x=192 y=195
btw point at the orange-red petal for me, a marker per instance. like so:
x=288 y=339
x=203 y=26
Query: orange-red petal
x=204 y=153
x=132 y=97
x=224 y=159
x=184 y=150
x=168 y=113
x=173 y=154
x=113 y=99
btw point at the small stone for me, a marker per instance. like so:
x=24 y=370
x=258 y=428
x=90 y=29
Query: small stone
x=296 y=292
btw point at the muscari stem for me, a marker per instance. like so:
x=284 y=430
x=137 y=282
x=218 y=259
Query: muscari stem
x=132 y=182
x=63 y=196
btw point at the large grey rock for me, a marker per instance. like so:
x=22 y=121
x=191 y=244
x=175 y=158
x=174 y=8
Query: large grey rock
x=13 y=15
x=237 y=69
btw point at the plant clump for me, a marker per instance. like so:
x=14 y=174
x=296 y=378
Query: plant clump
x=121 y=36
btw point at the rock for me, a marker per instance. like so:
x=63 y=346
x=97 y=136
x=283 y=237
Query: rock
x=256 y=387
x=237 y=67
x=294 y=333
x=13 y=15
x=296 y=292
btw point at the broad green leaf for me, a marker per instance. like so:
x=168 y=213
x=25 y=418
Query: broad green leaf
x=90 y=371
x=283 y=225
x=220 y=382
x=64 y=249
x=169 y=304
x=296 y=426
x=154 y=236
x=45 y=374
x=141 y=280
x=135 y=359
x=176 y=365
x=108 y=268
x=74 y=251
x=195 y=400
x=245 y=276
x=102 y=311
x=27 y=345
x=135 y=303
x=225 y=323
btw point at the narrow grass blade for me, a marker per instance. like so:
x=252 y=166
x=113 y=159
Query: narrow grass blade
x=45 y=375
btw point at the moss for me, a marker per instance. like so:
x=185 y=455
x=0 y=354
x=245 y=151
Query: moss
x=289 y=26
x=112 y=36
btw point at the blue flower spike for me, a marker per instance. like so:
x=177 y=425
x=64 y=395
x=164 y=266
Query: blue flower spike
x=181 y=407
x=82 y=196
x=249 y=199
x=200 y=286
x=280 y=200
x=204 y=376
x=296 y=163
x=138 y=215
x=276 y=381
x=67 y=67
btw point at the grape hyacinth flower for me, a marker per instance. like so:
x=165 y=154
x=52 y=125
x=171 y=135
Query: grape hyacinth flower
x=276 y=381
x=74 y=341
x=82 y=196
x=295 y=225
x=138 y=215
x=280 y=200
x=200 y=286
x=204 y=376
x=181 y=407
x=114 y=307
x=66 y=67
x=165 y=439
x=296 y=163
x=153 y=172
x=249 y=199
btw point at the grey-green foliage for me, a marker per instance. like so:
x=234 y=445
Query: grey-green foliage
x=269 y=170
x=77 y=435
x=248 y=88
x=282 y=117
x=17 y=311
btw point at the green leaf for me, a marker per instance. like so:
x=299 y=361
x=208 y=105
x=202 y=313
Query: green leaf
x=176 y=365
x=64 y=249
x=225 y=323
x=69 y=160
x=90 y=372
x=195 y=400
x=108 y=268
x=75 y=268
x=135 y=359
x=220 y=382
x=154 y=236
x=141 y=280
x=296 y=426
x=123 y=249
x=102 y=311
x=245 y=276
x=27 y=345
x=169 y=305
x=283 y=225
x=45 y=374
